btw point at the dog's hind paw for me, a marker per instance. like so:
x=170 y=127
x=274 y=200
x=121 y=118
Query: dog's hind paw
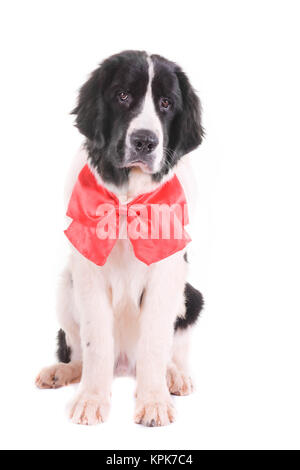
x=59 y=375
x=178 y=382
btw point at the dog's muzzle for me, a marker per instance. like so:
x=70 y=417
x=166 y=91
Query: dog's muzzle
x=143 y=143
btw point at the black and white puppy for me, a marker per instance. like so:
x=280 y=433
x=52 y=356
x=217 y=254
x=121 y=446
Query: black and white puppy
x=140 y=117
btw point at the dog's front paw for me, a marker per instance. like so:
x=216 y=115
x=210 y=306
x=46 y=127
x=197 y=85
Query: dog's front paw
x=89 y=409
x=154 y=413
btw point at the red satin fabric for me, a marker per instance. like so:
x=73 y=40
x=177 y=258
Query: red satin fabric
x=83 y=232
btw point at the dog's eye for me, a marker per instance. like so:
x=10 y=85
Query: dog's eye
x=123 y=96
x=165 y=103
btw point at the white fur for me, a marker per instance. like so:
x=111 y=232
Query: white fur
x=148 y=119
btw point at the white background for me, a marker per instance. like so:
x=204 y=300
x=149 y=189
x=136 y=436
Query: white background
x=243 y=58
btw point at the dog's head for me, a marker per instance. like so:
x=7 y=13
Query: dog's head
x=138 y=110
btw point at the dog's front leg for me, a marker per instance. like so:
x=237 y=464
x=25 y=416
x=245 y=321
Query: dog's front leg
x=161 y=305
x=91 y=405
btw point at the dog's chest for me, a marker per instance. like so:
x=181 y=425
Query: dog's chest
x=126 y=277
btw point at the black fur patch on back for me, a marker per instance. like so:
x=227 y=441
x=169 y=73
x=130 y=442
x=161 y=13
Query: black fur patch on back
x=194 y=304
x=63 y=350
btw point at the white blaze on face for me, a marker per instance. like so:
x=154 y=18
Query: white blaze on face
x=148 y=119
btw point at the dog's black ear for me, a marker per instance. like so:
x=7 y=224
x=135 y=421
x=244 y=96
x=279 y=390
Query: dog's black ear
x=188 y=128
x=89 y=110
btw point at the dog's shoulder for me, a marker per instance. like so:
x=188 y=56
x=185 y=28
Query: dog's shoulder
x=78 y=162
x=186 y=175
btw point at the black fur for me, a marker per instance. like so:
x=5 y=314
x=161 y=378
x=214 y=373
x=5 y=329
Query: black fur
x=104 y=120
x=194 y=304
x=63 y=350
x=183 y=131
x=142 y=298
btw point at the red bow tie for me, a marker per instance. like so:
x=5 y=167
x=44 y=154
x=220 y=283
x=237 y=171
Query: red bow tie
x=155 y=220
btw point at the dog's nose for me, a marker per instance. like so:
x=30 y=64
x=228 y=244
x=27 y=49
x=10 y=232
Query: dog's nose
x=143 y=141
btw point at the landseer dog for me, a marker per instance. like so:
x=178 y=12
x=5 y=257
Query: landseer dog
x=140 y=118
